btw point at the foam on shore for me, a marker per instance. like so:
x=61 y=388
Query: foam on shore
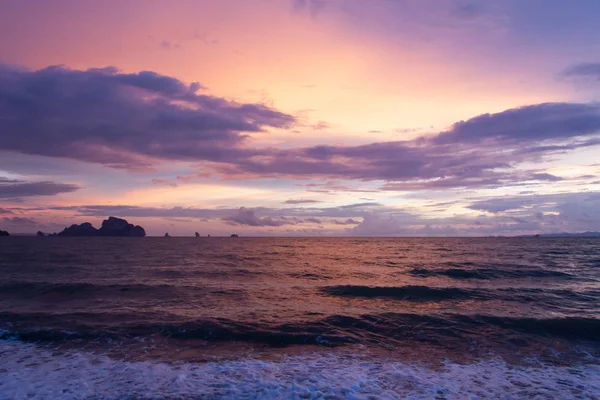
x=28 y=371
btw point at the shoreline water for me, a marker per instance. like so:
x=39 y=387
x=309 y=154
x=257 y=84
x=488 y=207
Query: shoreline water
x=115 y=318
x=32 y=372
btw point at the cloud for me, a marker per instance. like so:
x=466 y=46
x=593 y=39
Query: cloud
x=313 y=220
x=135 y=120
x=551 y=202
x=5 y=211
x=546 y=177
x=122 y=120
x=349 y=221
x=21 y=221
x=245 y=216
x=315 y=7
x=529 y=123
x=163 y=182
x=481 y=151
x=320 y=126
x=488 y=179
x=507 y=215
x=399 y=224
x=589 y=71
x=332 y=187
x=293 y=214
x=167 y=45
x=12 y=188
x=468 y=10
x=564 y=212
x=301 y=201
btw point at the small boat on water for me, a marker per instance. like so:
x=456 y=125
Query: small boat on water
x=197 y=234
x=167 y=234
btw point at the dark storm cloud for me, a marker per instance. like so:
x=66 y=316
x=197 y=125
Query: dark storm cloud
x=586 y=71
x=116 y=119
x=11 y=188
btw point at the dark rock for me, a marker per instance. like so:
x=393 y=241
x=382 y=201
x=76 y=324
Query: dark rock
x=110 y=227
x=167 y=234
x=40 y=233
x=119 y=227
x=235 y=235
x=197 y=234
x=4 y=233
x=85 y=229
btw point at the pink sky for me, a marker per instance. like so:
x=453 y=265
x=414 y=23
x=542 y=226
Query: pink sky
x=310 y=117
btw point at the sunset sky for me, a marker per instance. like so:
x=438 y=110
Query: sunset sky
x=301 y=117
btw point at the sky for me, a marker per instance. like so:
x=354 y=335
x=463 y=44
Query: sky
x=301 y=117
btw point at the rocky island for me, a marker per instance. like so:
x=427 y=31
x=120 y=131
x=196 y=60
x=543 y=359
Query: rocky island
x=114 y=227
x=4 y=233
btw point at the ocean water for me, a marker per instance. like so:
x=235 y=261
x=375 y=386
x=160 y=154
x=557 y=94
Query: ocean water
x=347 y=318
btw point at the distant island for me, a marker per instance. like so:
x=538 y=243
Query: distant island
x=115 y=227
x=565 y=234
x=4 y=233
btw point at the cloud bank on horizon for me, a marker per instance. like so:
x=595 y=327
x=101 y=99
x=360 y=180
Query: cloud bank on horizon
x=229 y=132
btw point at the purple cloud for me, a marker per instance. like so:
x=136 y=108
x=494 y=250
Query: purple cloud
x=13 y=188
x=163 y=182
x=586 y=71
x=245 y=216
x=19 y=221
x=133 y=120
x=313 y=6
x=301 y=201
x=530 y=123
x=122 y=120
x=349 y=221
x=313 y=220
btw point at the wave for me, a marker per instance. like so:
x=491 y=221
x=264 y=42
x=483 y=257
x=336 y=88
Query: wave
x=486 y=274
x=409 y=293
x=57 y=327
x=40 y=289
x=549 y=297
x=332 y=331
x=310 y=276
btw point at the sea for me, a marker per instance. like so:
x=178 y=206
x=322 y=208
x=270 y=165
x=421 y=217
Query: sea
x=299 y=318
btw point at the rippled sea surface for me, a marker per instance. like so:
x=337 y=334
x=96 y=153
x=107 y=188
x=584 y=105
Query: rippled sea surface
x=293 y=318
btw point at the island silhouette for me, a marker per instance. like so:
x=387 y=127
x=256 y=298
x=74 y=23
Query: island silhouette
x=113 y=226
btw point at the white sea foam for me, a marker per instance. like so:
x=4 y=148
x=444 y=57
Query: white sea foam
x=30 y=372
